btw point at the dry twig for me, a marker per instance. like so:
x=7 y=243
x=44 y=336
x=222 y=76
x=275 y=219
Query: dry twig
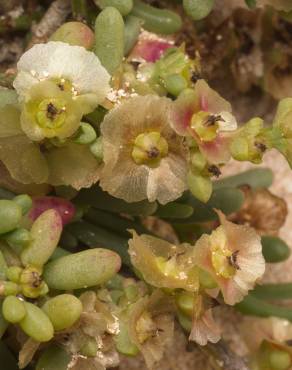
x=53 y=18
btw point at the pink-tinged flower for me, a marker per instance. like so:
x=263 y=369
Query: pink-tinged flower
x=149 y=48
x=232 y=254
x=164 y=265
x=63 y=206
x=206 y=117
x=204 y=328
x=143 y=156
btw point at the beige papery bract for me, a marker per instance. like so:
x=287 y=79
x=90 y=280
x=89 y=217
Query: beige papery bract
x=121 y=176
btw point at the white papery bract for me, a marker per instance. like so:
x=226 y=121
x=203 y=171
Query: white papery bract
x=58 y=60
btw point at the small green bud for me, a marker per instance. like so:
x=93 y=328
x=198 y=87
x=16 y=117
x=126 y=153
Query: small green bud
x=85 y=135
x=175 y=84
x=96 y=149
x=63 y=310
x=200 y=186
x=13 y=309
x=90 y=348
x=279 y=360
x=24 y=201
x=239 y=149
x=31 y=292
x=32 y=285
x=8 y=288
x=198 y=161
x=10 y=215
x=206 y=280
x=14 y=273
x=131 y=292
x=36 y=324
x=185 y=302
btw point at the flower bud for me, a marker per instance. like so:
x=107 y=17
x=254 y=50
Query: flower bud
x=200 y=186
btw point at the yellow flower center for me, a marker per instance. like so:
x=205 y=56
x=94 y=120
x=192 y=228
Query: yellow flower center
x=224 y=261
x=64 y=85
x=145 y=327
x=149 y=148
x=51 y=113
x=205 y=125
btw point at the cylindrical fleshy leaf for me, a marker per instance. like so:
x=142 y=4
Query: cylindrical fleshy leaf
x=45 y=234
x=74 y=33
x=109 y=38
x=10 y=215
x=63 y=206
x=82 y=270
x=53 y=358
x=13 y=309
x=36 y=324
x=63 y=310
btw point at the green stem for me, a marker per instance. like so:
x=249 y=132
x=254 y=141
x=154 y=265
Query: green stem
x=256 y=178
x=93 y=236
x=253 y=306
x=273 y=291
x=79 y=9
x=113 y=222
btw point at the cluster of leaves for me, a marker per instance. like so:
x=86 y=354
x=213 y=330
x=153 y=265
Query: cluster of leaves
x=128 y=109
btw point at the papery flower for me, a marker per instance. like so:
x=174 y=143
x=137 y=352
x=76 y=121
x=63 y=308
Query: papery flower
x=151 y=326
x=90 y=340
x=58 y=84
x=262 y=210
x=205 y=116
x=72 y=68
x=204 y=328
x=30 y=162
x=143 y=157
x=162 y=264
x=232 y=254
